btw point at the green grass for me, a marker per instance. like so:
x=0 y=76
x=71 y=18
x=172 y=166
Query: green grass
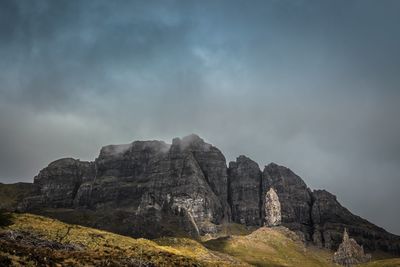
x=192 y=248
x=280 y=247
x=271 y=247
x=263 y=247
x=100 y=246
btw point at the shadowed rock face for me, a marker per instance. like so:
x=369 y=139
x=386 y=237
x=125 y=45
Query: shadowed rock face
x=294 y=197
x=59 y=183
x=155 y=188
x=152 y=189
x=330 y=219
x=212 y=164
x=129 y=160
x=244 y=191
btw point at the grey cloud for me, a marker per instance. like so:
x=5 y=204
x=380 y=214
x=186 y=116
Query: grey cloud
x=312 y=85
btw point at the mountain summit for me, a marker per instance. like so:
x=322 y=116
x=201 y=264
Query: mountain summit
x=153 y=189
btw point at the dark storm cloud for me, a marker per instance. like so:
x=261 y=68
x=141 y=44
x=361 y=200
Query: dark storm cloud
x=63 y=48
x=312 y=85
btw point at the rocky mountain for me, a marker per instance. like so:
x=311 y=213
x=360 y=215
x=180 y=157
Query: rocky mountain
x=152 y=189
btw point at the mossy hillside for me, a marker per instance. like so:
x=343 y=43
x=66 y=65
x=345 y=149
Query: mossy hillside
x=279 y=246
x=271 y=247
x=100 y=245
x=264 y=247
x=192 y=248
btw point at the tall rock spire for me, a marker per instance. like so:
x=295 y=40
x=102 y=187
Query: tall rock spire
x=345 y=236
x=272 y=208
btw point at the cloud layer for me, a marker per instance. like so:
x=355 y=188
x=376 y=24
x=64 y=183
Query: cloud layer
x=313 y=85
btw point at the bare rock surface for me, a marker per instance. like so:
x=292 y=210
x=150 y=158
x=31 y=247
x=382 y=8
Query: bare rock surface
x=294 y=197
x=146 y=188
x=244 y=191
x=350 y=253
x=330 y=218
x=272 y=208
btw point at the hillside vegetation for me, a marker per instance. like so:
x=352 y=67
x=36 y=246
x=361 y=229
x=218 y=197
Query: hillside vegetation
x=42 y=241
x=271 y=247
x=33 y=240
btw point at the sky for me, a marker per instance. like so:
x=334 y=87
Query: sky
x=311 y=85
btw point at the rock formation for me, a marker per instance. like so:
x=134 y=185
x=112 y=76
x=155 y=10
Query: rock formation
x=349 y=252
x=330 y=218
x=272 y=208
x=155 y=188
x=294 y=197
x=244 y=191
x=151 y=189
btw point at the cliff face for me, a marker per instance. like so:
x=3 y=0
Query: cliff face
x=151 y=189
x=330 y=219
x=142 y=189
x=244 y=191
x=294 y=196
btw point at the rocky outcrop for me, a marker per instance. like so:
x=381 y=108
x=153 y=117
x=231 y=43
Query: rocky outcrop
x=158 y=188
x=272 y=209
x=244 y=191
x=151 y=189
x=213 y=165
x=330 y=219
x=59 y=183
x=294 y=197
x=350 y=253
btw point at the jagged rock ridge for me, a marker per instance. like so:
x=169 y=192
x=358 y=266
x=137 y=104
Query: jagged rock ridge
x=349 y=252
x=150 y=188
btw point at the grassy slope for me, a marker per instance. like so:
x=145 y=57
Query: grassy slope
x=263 y=247
x=101 y=245
x=280 y=247
x=271 y=247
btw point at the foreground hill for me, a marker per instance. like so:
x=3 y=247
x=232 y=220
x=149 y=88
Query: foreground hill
x=33 y=240
x=186 y=189
x=275 y=246
x=39 y=241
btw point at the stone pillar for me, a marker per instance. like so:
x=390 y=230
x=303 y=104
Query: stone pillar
x=272 y=208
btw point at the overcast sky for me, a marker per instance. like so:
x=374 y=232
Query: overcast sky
x=312 y=85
